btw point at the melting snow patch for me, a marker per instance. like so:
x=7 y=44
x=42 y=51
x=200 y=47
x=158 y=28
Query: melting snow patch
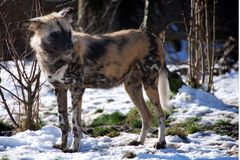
x=227 y=88
x=191 y=102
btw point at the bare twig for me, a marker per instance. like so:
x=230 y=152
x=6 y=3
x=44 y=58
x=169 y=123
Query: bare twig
x=7 y=108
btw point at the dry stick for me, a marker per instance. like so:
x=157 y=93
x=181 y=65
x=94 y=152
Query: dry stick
x=190 y=41
x=36 y=95
x=37 y=110
x=23 y=66
x=33 y=68
x=114 y=14
x=213 y=42
x=196 y=30
x=83 y=7
x=37 y=78
x=14 y=95
x=65 y=3
x=207 y=42
x=108 y=7
x=16 y=78
x=201 y=23
x=7 y=108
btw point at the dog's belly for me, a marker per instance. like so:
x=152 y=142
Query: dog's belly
x=98 y=80
x=106 y=76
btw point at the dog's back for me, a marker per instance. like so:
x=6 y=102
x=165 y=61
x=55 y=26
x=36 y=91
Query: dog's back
x=108 y=58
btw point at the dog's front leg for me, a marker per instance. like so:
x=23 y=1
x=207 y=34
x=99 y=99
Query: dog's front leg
x=77 y=93
x=61 y=94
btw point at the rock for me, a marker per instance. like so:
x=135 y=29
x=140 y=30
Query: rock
x=233 y=150
x=129 y=154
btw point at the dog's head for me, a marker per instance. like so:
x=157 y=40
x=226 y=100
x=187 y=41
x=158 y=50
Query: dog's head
x=52 y=32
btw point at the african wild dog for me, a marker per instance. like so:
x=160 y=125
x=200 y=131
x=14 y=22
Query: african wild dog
x=75 y=61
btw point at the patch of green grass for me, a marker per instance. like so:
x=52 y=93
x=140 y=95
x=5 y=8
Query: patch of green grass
x=4 y=158
x=99 y=110
x=5 y=129
x=5 y=126
x=222 y=123
x=135 y=130
x=152 y=110
x=224 y=127
x=189 y=126
x=113 y=134
x=133 y=119
x=58 y=158
x=102 y=131
x=110 y=100
x=116 y=118
x=177 y=130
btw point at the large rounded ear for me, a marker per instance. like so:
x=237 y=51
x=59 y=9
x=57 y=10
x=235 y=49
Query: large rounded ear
x=67 y=13
x=31 y=24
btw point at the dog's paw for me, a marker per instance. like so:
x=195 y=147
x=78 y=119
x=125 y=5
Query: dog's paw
x=135 y=143
x=69 y=150
x=59 y=146
x=160 y=145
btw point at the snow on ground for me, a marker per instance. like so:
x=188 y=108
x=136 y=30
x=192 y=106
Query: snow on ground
x=227 y=88
x=38 y=145
x=187 y=103
x=191 y=102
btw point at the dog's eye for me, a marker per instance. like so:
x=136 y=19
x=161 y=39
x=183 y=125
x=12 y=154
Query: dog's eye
x=53 y=35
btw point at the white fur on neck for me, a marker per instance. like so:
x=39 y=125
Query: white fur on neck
x=58 y=75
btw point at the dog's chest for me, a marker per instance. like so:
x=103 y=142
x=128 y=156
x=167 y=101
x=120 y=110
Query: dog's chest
x=58 y=75
x=73 y=74
x=60 y=70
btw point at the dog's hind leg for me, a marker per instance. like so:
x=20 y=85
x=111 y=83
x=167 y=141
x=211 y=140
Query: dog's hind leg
x=152 y=94
x=153 y=87
x=133 y=86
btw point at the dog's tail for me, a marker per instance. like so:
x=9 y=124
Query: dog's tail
x=163 y=88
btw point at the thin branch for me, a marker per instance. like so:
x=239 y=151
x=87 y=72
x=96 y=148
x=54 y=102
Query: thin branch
x=114 y=14
x=14 y=95
x=7 y=108
x=15 y=77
